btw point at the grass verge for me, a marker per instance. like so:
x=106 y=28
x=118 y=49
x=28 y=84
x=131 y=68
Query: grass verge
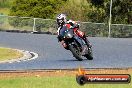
x=55 y=79
x=7 y=54
x=52 y=82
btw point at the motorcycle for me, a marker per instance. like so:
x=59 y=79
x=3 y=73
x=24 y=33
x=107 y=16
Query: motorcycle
x=75 y=44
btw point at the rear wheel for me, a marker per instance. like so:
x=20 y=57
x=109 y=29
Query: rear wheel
x=76 y=52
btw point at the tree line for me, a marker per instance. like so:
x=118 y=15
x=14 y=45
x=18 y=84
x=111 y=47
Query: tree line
x=82 y=10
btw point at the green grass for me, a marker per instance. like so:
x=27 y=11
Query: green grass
x=6 y=54
x=52 y=82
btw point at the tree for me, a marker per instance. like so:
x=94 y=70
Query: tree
x=75 y=9
x=83 y=11
x=35 y=8
x=5 y=3
x=97 y=2
x=121 y=11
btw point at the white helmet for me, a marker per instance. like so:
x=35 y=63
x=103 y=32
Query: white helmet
x=61 y=19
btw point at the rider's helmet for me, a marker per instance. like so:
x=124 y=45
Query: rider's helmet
x=61 y=19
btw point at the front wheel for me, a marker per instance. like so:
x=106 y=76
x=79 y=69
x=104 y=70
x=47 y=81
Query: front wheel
x=76 y=52
x=89 y=56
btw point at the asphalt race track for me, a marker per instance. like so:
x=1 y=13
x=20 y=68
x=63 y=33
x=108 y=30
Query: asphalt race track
x=108 y=52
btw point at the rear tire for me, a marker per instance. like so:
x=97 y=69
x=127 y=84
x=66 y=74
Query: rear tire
x=76 y=53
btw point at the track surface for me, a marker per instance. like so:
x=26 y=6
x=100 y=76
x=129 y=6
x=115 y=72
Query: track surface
x=108 y=52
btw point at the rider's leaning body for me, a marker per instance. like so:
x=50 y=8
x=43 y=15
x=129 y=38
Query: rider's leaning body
x=61 y=21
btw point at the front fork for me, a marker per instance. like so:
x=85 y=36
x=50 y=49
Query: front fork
x=86 y=41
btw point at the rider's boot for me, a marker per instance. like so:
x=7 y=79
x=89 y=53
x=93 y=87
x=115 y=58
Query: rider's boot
x=64 y=44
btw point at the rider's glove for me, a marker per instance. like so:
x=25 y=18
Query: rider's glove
x=77 y=25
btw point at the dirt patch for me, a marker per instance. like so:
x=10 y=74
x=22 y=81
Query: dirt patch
x=51 y=73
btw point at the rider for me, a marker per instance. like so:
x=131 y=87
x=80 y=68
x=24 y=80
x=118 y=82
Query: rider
x=62 y=20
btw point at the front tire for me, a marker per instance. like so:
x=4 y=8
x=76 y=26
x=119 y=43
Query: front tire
x=89 y=56
x=76 y=52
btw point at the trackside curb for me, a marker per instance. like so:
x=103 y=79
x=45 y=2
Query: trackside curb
x=27 y=55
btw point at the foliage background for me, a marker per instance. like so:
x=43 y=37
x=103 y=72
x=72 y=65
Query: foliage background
x=82 y=10
x=93 y=14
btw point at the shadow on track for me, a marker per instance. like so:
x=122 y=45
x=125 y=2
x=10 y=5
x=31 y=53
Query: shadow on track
x=73 y=60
